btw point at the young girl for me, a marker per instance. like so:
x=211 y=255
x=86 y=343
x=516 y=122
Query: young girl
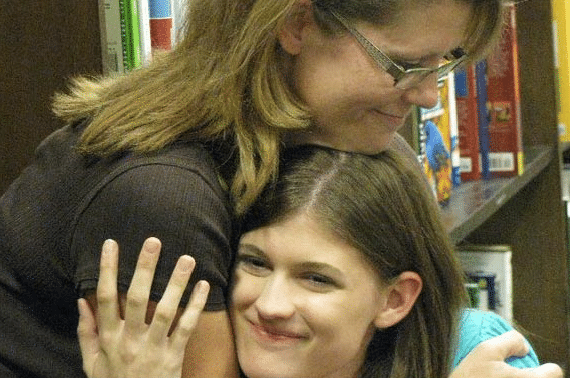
x=343 y=270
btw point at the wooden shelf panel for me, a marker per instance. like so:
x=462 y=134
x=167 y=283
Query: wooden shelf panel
x=472 y=203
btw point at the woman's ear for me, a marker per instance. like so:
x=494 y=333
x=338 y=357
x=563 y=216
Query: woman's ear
x=291 y=34
x=400 y=298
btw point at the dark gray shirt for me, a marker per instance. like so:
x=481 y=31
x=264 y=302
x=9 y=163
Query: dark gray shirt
x=55 y=217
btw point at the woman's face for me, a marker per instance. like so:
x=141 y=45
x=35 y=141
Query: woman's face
x=353 y=101
x=304 y=303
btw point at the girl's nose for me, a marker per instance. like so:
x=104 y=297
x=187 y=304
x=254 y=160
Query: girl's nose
x=275 y=300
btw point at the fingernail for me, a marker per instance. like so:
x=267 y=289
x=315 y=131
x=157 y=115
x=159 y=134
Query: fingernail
x=152 y=245
x=203 y=287
x=186 y=263
x=107 y=245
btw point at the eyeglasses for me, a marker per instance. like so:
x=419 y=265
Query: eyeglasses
x=404 y=78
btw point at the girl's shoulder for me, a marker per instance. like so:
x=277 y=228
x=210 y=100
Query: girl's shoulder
x=477 y=326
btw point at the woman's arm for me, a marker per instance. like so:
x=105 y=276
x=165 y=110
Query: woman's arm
x=115 y=347
x=487 y=360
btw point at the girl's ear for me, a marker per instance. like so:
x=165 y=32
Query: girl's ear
x=400 y=298
x=291 y=34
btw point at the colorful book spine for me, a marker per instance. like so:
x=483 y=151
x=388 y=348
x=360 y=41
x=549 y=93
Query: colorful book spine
x=503 y=92
x=561 y=33
x=483 y=117
x=161 y=24
x=130 y=34
x=468 y=123
x=434 y=128
x=144 y=27
x=179 y=8
x=111 y=36
x=453 y=132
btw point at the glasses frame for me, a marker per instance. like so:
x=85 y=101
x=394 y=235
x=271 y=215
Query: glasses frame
x=403 y=78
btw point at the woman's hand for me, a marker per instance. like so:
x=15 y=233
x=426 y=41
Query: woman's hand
x=116 y=347
x=487 y=360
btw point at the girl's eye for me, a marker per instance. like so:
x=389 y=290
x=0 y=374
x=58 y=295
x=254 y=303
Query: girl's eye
x=319 y=280
x=252 y=264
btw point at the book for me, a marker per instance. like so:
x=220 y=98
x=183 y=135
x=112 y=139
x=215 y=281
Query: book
x=161 y=24
x=483 y=117
x=111 y=36
x=130 y=32
x=561 y=34
x=144 y=27
x=179 y=8
x=436 y=127
x=466 y=96
x=490 y=268
x=453 y=132
x=504 y=103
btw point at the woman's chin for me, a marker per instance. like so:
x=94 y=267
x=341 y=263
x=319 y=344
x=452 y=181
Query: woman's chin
x=369 y=145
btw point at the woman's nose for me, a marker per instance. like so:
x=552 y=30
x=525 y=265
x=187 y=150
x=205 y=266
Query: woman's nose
x=275 y=300
x=425 y=93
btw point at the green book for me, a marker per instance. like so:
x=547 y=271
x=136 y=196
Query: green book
x=130 y=31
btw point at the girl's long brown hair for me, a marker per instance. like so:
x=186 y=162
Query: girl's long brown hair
x=379 y=205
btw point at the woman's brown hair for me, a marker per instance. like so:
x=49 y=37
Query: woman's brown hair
x=225 y=81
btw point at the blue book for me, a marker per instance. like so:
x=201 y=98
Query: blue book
x=484 y=116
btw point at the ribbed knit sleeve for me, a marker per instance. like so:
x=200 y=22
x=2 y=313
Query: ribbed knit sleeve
x=180 y=206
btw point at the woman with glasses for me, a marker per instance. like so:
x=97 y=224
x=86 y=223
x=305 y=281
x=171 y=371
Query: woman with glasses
x=179 y=148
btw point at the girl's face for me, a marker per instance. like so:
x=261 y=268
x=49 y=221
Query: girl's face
x=304 y=303
x=353 y=101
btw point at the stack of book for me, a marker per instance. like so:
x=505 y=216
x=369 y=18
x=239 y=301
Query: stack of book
x=132 y=30
x=476 y=125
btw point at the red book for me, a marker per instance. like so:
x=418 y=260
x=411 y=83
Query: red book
x=160 y=24
x=468 y=123
x=503 y=93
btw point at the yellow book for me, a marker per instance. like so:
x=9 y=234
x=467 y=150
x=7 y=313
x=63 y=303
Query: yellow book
x=561 y=25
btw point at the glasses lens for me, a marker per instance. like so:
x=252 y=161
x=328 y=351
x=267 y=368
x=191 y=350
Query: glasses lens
x=412 y=78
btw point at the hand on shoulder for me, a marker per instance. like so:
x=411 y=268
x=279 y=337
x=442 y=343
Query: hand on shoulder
x=487 y=360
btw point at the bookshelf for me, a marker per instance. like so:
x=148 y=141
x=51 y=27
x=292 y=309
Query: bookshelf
x=527 y=212
x=54 y=39
x=476 y=201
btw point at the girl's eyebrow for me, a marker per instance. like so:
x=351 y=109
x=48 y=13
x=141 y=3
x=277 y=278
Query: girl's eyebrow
x=250 y=248
x=318 y=266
